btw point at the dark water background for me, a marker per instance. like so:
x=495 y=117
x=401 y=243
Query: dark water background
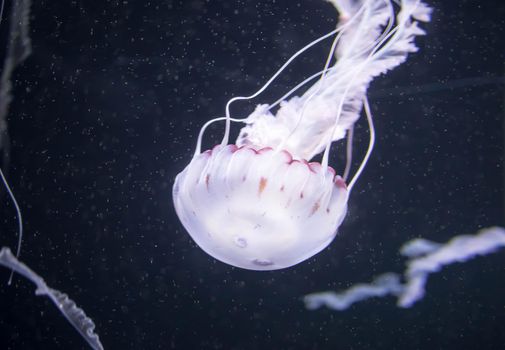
x=105 y=114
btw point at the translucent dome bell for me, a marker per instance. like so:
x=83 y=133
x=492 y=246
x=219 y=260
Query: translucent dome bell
x=259 y=209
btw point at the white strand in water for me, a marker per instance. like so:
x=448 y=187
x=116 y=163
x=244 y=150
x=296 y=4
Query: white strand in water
x=425 y=258
x=75 y=315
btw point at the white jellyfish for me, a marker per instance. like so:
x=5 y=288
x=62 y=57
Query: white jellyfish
x=260 y=203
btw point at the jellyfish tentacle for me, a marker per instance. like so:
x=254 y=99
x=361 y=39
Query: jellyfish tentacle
x=263 y=88
x=322 y=77
x=20 y=220
x=371 y=144
x=276 y=74
x=387 y=54
x=333 y=53
x=348 y=153
x=358 y=54
x=327 y=70
x=198 y=148
x=375 y=43
x=353 y=81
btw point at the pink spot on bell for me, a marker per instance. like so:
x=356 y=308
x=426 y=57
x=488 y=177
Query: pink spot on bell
x=340 y=183
x=315 y=208
x=262 y=185
x=207 y=179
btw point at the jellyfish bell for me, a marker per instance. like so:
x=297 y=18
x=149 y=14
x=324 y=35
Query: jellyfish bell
x=259 y=209
x=260 y=203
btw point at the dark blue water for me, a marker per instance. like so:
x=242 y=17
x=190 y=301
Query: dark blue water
x=106 y=112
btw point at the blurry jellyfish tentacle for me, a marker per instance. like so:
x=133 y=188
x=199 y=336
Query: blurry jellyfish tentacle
x=426 y=257
x=459 y=249
x=75 y=315
x=2 y=5
x=18 y=49
x=259 y=204
x=382 y=285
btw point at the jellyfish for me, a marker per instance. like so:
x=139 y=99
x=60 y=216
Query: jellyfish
x=263 y=203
